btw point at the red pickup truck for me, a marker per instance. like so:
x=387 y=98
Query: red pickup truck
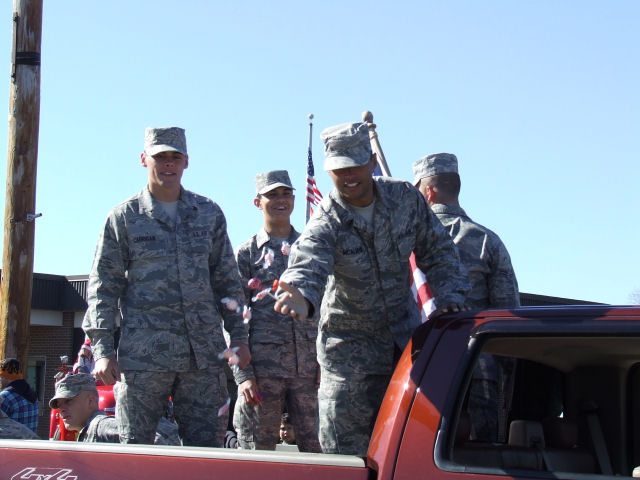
x=572 y=410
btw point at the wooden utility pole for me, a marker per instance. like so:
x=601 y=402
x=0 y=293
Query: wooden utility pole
x=19 y=215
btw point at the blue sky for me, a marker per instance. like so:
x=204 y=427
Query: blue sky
x=538 y=99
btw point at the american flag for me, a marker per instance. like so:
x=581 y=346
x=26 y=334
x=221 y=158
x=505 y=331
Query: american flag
x=313 y=194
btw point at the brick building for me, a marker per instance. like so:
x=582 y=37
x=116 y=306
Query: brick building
x=58 y=305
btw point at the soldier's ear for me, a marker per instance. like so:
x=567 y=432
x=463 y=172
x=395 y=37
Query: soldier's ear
x=143 y=159
x=256 y=202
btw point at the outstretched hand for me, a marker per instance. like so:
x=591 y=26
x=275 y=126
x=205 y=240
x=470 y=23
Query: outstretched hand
x=291 y=302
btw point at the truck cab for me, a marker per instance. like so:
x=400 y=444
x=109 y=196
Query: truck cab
x=570 y=407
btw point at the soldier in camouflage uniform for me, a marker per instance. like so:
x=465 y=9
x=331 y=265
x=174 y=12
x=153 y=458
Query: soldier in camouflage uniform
x=283 y=371
x=164 y=259
x=358 y=243
x=11 y=429
x=493 y=282
x=77 y=400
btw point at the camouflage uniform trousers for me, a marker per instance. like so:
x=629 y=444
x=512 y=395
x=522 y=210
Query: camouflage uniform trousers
x=259 y=427
x=489 y=397
x=348 y=407
x=141 y=400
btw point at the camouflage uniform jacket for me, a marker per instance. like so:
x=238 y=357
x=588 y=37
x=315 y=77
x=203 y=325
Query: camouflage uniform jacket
x=493 y=281
x=280 y=346
x=9 y=428
x=100 y=428
x=368 y=305
x=168 y=279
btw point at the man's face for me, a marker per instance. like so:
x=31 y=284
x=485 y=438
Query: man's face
x=276 y=203
x=355 y=184
x=76 y=411
x=165 y=168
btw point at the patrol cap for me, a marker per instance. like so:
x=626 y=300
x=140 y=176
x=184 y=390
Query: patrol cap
x=165 y=139
x=265 y=182
x=434 y=164
x=71 y=386
x=346 y=145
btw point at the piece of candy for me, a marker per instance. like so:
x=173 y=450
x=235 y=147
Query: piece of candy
x=254 y=284
x=285 y=248
x=230 y=355
x=231 y=304
x=246 y=314
x=260 y=295
x=224 y=408
x=269 y=257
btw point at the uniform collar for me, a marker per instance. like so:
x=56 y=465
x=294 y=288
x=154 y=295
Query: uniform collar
x=346 y=211
x=89 y=420
x=262 y=237
x=447 y=209
x=149 y=205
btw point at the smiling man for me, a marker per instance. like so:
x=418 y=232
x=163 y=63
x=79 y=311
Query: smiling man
x=164 y=263
x=358 y=243
x=283 y=370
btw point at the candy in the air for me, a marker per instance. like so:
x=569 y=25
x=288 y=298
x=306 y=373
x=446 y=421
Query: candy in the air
x=269 y=257
x=254 y=284
x=246 y=314
x=230 y=355
x=224 y=408
x=231 y=304
x=260 y=295
x=285 y=248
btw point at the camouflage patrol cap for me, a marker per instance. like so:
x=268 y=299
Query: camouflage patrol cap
x=265 y=182
x=434 y=164
x=346 y=145
x=71 y=386
x=165 y=139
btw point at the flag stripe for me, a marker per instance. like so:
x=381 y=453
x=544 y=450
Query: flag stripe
x=313 y=194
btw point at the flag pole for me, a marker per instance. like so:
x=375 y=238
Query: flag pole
x=367 y=117
x=419 y=285
x=309 y=156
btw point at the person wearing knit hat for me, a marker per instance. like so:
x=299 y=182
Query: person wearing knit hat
x=19 y=400
x=493 y=281
x=84 y=362
x=358 y=245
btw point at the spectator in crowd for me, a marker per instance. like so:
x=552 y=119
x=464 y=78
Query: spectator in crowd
x=77 y=401
x=19 y=400
x=84 y=363
x=287 y=432
x=11 y=429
